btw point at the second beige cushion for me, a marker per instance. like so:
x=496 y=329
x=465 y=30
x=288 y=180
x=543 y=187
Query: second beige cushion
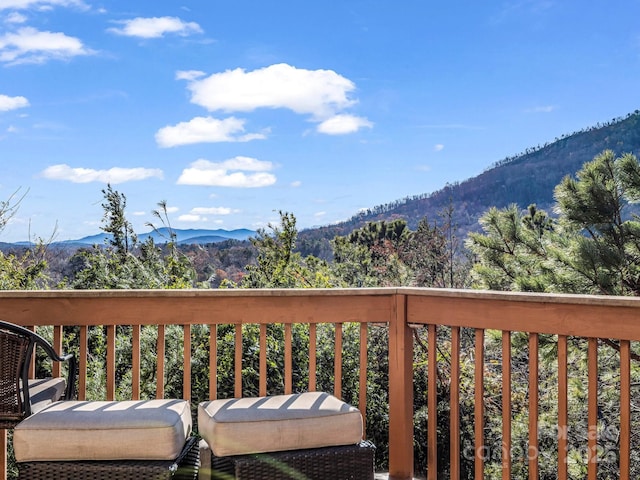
x=278 y=423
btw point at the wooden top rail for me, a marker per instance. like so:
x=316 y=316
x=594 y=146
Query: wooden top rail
x=188 y=307
x=571 y=315
x=579 y=315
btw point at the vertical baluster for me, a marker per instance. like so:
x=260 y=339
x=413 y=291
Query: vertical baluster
x=263 y=360
x=82 y=363
x=111 y=362
x=186 y=363
x=625 y=409
x=288 y=362
x=135 y=362
x=478 y=414
x=432 y=405
x=160 y=362
x=532 y=451
x=213 y=362
x=337 y=364
x=506 y=405
x=362 y=394
x=238 y=362
x=563 y=409
x=592 y=433
x=454 y=404
x=56 y=368
x=312 y=356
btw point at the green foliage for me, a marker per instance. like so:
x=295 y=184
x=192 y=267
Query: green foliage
x=512 y=254
x=377 y=233
x=427 y=254
x=21 y=271
x=353 y=264
x=592 y=247
x=595 y=205
x=278 y=265
x=125 y=263
x=115 y=223
x=390 y=254
x=25 y=272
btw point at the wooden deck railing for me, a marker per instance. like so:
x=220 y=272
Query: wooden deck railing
x=460 y=316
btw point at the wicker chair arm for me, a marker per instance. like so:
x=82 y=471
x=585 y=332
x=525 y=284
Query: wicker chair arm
x=70 y=392
x=37 y=340
x=53 y=355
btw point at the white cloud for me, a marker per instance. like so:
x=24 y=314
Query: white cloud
x=195 y=218
x=212 y=211
x=246 y=163
x=15 y=17
x=140 y=213
x=187 y=217
x=320 y=93
x=343 y=124
x=155 y=27
x=29 y=45
x=172 y=209
x=319 y=214
x=11 y=103
x=205 y=129
x=542 y=109
x=296 y=183
x=228 y=173
x=438 y=147
x=41 y=4
x=113 y=175
x=189 y=75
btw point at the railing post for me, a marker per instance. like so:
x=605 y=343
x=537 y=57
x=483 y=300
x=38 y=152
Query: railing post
x=400 y=393
x=3 y=454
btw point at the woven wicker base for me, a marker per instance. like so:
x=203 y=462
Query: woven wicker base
x=349 y=462
x=185 y=467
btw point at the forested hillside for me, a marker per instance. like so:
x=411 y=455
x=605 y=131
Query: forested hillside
x=523 y=179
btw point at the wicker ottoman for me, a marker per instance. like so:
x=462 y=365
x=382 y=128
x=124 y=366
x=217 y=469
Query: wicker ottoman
x=105 y=440
x=346 y=462
x=311 y=436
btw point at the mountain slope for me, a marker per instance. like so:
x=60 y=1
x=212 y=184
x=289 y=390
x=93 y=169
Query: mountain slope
x=523 y=179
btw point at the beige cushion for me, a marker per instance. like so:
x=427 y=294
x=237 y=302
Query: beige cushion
x=45 y=391
x=75 y=430
x=278 y=423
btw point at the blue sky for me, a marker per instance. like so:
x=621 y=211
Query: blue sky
x=231 y=111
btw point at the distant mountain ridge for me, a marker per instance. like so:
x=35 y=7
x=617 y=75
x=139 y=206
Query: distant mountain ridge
x=161 y=235
x=523 y=179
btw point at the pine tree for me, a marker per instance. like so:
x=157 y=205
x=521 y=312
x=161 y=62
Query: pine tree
x=592 y=247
